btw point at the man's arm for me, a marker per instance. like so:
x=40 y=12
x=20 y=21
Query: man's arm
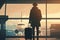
x=30 y=16
x=40 y=15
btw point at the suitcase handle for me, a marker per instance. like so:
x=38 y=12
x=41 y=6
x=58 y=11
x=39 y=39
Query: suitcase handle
x=29 y=25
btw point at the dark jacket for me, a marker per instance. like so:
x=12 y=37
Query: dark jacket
x=35 y=16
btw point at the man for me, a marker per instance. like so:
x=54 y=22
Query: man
x=35 y=18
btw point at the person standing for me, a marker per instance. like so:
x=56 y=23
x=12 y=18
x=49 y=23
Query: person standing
x=35 y=18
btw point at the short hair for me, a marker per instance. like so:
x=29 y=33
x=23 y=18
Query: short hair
x=35 y=4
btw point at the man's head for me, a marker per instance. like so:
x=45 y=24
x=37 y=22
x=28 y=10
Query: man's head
x=35 y=4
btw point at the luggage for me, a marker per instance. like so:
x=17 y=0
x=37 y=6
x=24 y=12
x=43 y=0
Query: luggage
x=28 y=33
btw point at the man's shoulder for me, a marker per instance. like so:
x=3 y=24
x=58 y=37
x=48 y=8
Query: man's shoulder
x=39 y=9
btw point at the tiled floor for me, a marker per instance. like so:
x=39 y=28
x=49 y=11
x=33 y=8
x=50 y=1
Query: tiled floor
x=35 y=39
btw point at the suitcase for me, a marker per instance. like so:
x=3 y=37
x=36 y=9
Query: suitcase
x=28 y=33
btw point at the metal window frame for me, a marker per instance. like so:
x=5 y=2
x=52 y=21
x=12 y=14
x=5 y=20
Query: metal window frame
x=28 y=18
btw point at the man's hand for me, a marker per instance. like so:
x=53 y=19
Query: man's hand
x=29 y=21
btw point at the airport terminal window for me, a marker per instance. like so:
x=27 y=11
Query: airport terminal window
x=53 y=26
x=12 y=25
x=21 y=9
x=53 y=9
x=53 y=18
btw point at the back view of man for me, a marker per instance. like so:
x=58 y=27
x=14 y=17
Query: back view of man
x=35 y=18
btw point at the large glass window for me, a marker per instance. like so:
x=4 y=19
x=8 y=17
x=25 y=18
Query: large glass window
x=50 y=23
x=16 y=10
x=53 y=10
x=54 y=27
x=53 y=16
x=23 y=11
x=12 y=25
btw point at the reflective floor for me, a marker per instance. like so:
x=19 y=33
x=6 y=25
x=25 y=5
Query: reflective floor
x=35 y=39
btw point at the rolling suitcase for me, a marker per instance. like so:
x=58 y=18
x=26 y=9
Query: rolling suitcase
x=28 y=33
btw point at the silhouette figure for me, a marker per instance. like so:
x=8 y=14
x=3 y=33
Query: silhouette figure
x=35 y=18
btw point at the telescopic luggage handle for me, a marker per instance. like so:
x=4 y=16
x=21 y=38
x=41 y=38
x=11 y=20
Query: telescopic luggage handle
x=29 y=25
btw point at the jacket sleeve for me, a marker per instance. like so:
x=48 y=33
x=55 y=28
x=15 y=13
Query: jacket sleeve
x=40 y=15
x=30 y=18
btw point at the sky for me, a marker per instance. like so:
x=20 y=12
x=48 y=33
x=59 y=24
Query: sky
x=15 y=10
